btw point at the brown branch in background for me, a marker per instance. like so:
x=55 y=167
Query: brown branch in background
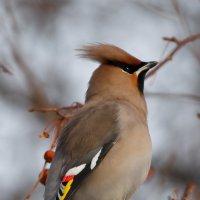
x=179 y=45
x=65 y=113
x=4 y=69
x=174 y=95
x=180 y=14
x=156 y=9
x=188 y=191
x=185 y=25
x=175 y=195
x=37 y=94
x=62 y=112
x=28 y=196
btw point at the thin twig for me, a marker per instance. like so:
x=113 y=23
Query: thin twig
x=28 y=196
x=4 y=69
x=37 y=94
x=57 y=133
x=43 y=110
x=179 y=45
x=174 y=95
x=65 y=112
x=175 y=195
x=188 y=191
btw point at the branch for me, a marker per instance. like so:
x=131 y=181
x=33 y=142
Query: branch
x=190 y=187
x=174 y=95
x=65 y=113
x=28 y=196
x=62 y=111
x=4 y=69
x=188 y=191
x=175 y=195
x=179 y=45
x=37 y=95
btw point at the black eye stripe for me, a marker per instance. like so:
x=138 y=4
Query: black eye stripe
x=124 y=66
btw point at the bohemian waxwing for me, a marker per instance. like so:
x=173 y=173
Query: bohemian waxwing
x=104 y=151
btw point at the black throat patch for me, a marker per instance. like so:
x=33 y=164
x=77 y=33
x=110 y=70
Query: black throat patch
x=140 y=80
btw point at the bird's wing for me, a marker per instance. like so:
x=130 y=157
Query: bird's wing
x=83 y=144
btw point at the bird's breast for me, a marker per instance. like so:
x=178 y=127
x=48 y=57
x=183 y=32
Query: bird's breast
x=126 y=165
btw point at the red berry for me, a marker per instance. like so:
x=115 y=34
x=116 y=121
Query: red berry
x=48 y=156
x=43 y=176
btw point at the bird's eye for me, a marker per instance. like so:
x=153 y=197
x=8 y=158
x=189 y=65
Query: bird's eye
x=128 y=68
x=124 y=66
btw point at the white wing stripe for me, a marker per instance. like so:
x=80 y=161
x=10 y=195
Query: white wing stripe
x=75 y=170
x=95 y=159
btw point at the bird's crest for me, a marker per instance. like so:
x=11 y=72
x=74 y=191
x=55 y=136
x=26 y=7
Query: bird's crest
x=105 y=53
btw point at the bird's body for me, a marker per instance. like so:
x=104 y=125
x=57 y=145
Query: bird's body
x=104 y=152
x=133 y=166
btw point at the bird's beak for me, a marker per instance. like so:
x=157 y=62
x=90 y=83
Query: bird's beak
x=146 y=66
x=151 y=64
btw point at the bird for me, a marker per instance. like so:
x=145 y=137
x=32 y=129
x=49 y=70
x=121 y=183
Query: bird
x=104 y=152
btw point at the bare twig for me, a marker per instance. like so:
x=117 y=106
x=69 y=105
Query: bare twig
x=181 y=16
x=65 y=113
x=62 y=111
x=37 y=94
x=186 y=27
x=43 y=110
x=188 y=191
x=175 y=195
x=157 y=9
x=179 y=45
x=40 y=177
x=28 y=196
x=174 y=95
x=4 y=69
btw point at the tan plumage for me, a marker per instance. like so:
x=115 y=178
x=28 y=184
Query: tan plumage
x=103 y=53
x=114 y=113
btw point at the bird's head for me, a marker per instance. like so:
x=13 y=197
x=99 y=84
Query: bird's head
x=119 y=75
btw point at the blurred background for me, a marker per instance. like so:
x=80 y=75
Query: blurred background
x=39 y=67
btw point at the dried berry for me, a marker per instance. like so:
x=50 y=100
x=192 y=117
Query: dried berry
x=43 y=176
x=44 y=134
